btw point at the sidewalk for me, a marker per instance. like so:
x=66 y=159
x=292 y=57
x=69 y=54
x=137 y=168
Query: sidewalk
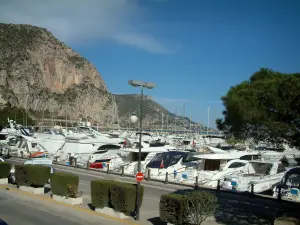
x=17 y=207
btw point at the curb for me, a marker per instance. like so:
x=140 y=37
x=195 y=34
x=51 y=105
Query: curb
x=10 y=189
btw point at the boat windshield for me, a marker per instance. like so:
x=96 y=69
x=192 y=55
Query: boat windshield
x=166 y=159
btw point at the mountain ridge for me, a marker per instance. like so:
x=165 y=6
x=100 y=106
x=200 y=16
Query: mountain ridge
x=42 y=76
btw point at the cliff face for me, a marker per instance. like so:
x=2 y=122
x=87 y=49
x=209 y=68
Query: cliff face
x=40 y=73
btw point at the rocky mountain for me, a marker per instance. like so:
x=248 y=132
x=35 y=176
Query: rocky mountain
x=43 y=77
x=154 y=114
x=40 y=73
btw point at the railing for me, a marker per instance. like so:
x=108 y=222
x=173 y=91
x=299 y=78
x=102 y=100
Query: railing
x=166 y=180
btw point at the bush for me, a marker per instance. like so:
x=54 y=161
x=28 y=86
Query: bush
x=100 y=191
x=4 y=169
x=117 y=195
x=171 y=208
x=193 y=208
x=32 y=175
x=65 y=184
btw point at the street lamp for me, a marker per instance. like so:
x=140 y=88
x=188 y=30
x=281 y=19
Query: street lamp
x=133 y=118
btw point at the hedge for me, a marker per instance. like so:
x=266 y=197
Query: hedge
x=64 y=184
x=191 y=207
x=117 y=195
x=100 y=192
x=32 y=175
x=171 y=208
x=4 y=169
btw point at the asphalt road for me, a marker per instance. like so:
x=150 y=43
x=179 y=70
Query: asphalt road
x=18 y=209
x=152 y=192
x=233 y=209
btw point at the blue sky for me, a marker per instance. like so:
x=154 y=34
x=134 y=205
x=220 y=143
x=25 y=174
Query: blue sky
x=193 y=50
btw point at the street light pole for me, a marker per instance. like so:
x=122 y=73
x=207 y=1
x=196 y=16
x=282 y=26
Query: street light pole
x=148 y=85
x=141 y=128
x=137 y=205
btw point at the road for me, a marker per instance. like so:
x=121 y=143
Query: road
x=152 y=192
x=233 y=209
x=19 y=209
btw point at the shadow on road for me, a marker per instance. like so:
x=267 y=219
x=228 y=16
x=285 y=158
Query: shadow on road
x=232 y=212
x=234 y=209
x=156 y=221
x=47 y=190
x=2 y=222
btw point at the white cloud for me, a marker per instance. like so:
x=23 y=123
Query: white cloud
x=78 y=21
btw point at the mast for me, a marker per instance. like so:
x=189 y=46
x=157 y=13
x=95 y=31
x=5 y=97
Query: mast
x=207 y=119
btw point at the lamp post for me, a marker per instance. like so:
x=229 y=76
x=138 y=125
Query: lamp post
x=133 y=118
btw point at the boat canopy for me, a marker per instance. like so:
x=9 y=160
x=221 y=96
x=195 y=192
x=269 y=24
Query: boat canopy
x=166 y=159
x=228 y=156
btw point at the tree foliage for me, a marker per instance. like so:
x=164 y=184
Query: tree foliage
x=17 y=114
x=265 y=108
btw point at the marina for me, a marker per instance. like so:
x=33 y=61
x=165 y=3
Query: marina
x=183 y=159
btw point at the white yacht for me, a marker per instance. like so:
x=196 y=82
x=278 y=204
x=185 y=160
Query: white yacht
x=214 y=167
x=262 y=174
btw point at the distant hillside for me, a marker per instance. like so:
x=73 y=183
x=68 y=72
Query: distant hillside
x=40 y=74
x=154 y=114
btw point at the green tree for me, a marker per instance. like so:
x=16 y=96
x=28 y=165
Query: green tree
x=14 y=114
x=265 y=108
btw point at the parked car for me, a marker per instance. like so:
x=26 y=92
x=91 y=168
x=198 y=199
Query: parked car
x=35 y=161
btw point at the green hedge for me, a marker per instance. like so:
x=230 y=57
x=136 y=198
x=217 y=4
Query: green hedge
x=191 y=207
x=171 y=208
x=32 y=175
x=117 y=195
x=4 y=169
x=100 y=191
x=64 y=184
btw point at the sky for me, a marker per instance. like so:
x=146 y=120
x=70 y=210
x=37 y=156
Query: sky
x=193 y=50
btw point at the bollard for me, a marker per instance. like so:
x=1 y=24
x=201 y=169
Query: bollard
x=218 y=185
x=197 y=183
x=122 y=173
x=252 y=189
x=166 y=180
x=107 y=171
x=148 y=177
x=87 y=164
x=279 y=194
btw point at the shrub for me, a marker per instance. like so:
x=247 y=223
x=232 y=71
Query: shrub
x=198 y=206
x=32 y=175
x=65 y=184
x=21 y=174
x=171 y=208
x=4 y=169
x=118 y=195
x=100 y=190
x=123 y=197
x=193 y=207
